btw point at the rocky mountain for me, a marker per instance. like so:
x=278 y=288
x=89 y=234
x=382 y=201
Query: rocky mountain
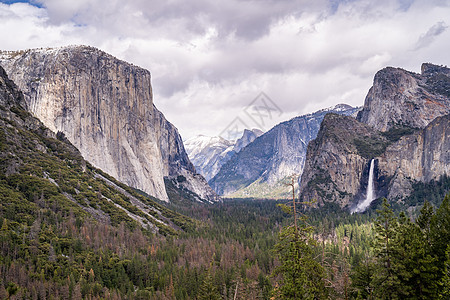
x=43 y=173
x=247 y=137
x=399 y=97
x=408 y=145
x=261 y=168
x=208 y=154
x=104 y=106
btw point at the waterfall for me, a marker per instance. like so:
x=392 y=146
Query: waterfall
x=370 y=195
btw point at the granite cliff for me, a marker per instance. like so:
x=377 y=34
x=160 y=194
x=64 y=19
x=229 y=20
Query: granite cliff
x=335 y=161
x=41 y=171
x=422 y=156
x=399 y=97
x=104 y=107
x=403 y=127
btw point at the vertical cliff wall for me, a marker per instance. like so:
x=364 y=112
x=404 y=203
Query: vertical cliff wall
x=422 y=156
x=404 y=125
x=104 y=107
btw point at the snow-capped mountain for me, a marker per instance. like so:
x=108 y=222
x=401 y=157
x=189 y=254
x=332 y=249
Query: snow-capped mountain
x=208 y=154
x=261 y=168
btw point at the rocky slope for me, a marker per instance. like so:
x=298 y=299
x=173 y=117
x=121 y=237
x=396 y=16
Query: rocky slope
x=399 y=97
x=41 y=171
x=408 y=145
x=209 y=154
x=260 y=169
x=104 y=107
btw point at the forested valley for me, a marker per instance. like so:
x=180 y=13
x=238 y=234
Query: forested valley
x=238 y=249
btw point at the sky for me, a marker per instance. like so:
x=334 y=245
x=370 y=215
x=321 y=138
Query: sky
x=220 y=66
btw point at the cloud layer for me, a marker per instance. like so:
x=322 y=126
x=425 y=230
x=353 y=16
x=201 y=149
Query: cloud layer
x=210 y=59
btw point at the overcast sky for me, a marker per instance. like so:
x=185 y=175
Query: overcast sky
x=210 y=59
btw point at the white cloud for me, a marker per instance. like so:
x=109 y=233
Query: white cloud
x=209 y=59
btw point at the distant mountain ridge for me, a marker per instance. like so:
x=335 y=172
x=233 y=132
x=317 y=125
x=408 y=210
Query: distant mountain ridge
x=209 y=154
x=260 y=169
x=104 y=106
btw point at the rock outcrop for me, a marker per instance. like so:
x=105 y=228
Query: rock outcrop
x=104 y=107
x=247 y=137
x=337 y=160
x=260 y=169
x=399 y=97
x=404 y=128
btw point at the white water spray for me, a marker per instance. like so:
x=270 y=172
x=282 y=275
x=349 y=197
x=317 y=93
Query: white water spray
x=370 y=195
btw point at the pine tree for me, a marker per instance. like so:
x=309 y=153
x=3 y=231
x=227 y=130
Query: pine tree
x=424 y=219
x=362 y=278
x=386 y=281
x=440 y=242
x=445 y=282
x=302 y=276
x=440 y=231
x=208 y=290
x=413 y=263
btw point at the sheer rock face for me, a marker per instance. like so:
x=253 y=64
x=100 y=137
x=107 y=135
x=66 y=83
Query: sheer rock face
x=334 y=166
x=104 y=107
x=337 y=165
x=399 y=97
x=337 y=161
x=423 y=156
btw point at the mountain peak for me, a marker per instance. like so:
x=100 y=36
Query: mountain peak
x=428 y=69
x=208 y=154
x=400 y=97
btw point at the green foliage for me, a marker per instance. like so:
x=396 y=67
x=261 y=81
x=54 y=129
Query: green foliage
x=396 y=132
x=370 y=147
x=445 y=281
x=285 y=208
x=22 y=113
x=373 y=146
x=302 y=275
x=433 y=191
x=407 y=262
x=208 y=290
